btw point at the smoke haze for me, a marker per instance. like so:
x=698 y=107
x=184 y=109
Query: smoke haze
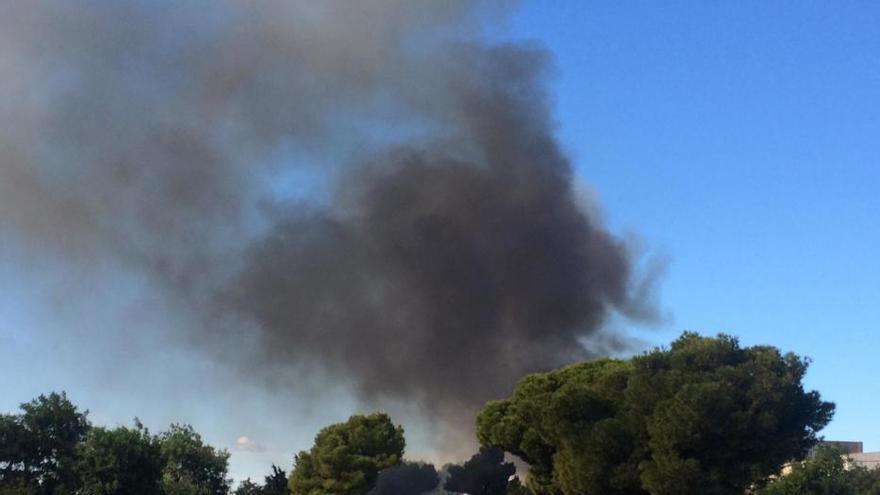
x=362 y=189
x=445 y=272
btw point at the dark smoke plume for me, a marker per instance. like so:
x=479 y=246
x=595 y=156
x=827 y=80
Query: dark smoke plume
x=445 y=272
x=151 y=130
x=485 y=473
x=438 y=251
x=409 y=478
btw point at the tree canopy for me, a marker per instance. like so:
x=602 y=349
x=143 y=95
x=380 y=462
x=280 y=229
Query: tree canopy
x=485 y=473
x=37 y=446
x=347 y=457
x=515 y=487
x=50 y=448
x=119 y=461
x=825 y=473
x=189 y=466
x=248 y=487
x=704 y=416
x=275 y=484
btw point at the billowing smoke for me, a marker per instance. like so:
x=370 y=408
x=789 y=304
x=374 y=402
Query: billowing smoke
x=365 y=187
x=152 y=129
x=485 y=473
x=445 y=272
x=408 y=478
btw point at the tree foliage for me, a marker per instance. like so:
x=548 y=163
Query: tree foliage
x=15 y=459
x=121 y=461
x=189 y=466
x=515 y=487
x=276 y=482
x=347 y=457
x=485 y=473
x=51 y=449
x=704 y=416
x=825 y=473
x=248 y=487
x=37 y=446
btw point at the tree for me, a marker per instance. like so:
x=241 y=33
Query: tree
x=17 y=488
x=51 y=449
x=825 y=473
x=37 y=446
x=485 y=473
x=276 y=482
x=190 y=466
x=566 y=420
x=866 y=481
x=15 y=461
x=121 y=461
x=248 y=487
x=347 y=457
x=408 y=478
x=704 y=416
x=515 y=487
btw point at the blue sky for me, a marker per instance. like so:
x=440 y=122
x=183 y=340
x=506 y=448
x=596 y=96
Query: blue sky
x=737 y=140
x=740 y=140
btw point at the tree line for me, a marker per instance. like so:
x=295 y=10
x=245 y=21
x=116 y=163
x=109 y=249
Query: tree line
x=704 y=415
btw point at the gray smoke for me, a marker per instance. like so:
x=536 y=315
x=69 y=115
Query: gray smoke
x=485 y=473
x=442 y=253
x=407 y=478
x=139 y=129
x=445 y=272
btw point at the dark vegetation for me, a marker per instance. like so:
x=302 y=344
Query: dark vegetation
x=704 y=416
x=274 y=484
x=826 y=473
x=50 y=448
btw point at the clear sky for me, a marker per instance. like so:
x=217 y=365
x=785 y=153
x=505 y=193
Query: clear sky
x=739 y=141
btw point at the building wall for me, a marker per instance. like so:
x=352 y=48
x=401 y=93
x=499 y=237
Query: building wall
x=843 y=446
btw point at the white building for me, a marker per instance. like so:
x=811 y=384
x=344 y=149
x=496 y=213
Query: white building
x=870 y=460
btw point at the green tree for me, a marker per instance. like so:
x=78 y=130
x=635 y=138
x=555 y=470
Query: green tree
x=248 y=487
x=37 y=446
x=121 y=461
x=189 y=466
x=17 y=488
x=485 y=473
x=825 y=473
x=866 y=481
x=565 y=421
x=704 y=416
x=515 y=487
x=15 y=461
x=276 y=482
x=347 y=457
